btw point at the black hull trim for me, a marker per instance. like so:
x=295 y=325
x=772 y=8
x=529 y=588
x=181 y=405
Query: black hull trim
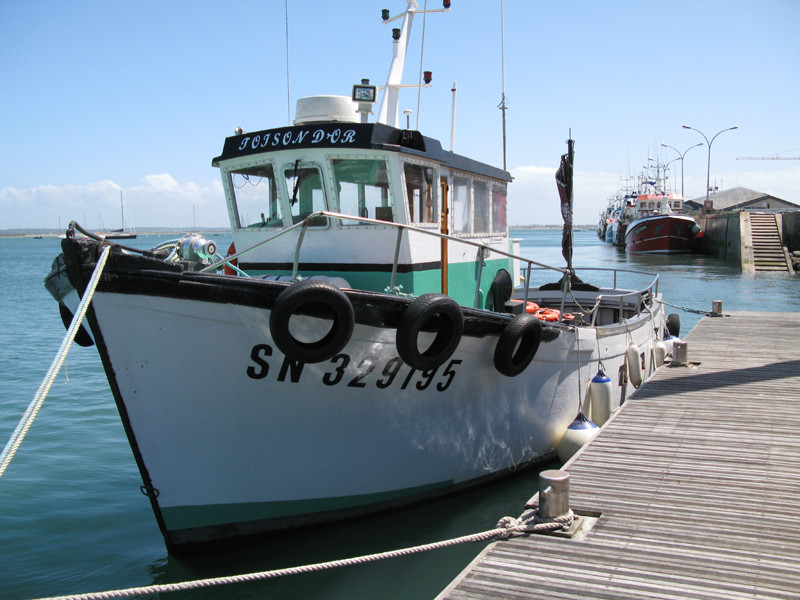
x=142 y=275
x=341 y=267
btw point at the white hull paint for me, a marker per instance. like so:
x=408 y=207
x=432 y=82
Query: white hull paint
x=231 y=433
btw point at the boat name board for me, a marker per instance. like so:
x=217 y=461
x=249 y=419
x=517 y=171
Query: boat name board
x=359 y=377
x=328 y=135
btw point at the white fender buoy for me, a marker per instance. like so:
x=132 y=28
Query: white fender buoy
x=669 y=340
x=659 y=352
x=600 y=392
x=579 y=432
x=634 y=364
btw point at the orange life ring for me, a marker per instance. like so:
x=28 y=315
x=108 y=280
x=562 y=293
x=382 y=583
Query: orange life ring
x=548 y=314
x=552 y=314
x=645 y=213
x=234 y=262
x=531 y=307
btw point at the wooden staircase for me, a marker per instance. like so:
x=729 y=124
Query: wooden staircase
x=768 y=251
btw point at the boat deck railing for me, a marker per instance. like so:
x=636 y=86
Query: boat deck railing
x=631 y=300
x=625 y=302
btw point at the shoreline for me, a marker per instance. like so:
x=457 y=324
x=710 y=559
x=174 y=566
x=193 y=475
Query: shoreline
x=215 y=230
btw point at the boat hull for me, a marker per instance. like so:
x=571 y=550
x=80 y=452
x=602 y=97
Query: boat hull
x=233 y=438
x=664 y=234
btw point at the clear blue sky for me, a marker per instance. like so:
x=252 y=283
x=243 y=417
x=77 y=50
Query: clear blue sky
x=99 y=97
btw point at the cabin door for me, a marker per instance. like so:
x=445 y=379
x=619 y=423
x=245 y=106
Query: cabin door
x=444 y=219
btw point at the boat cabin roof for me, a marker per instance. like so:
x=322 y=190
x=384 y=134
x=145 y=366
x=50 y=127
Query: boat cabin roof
x=374 y=136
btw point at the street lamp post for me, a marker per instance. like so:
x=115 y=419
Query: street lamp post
x=681 y=159
x=708 y=171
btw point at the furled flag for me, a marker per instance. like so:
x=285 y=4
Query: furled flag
x=564 y=181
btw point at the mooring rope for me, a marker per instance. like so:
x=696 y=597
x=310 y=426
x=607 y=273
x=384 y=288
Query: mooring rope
x=506 y=527
x=687 y=309
x=30 y=414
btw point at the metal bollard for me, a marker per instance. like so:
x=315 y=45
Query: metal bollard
x=680 y=354
x=716 y=308
x=553 y=493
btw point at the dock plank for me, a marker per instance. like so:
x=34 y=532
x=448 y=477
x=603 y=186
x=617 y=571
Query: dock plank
x=696 y=479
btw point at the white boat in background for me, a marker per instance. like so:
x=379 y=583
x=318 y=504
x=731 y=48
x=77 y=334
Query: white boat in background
x=372 y=339
x=122 y=233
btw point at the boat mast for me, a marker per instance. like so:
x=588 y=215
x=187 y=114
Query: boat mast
x=388 y=113
x=400 y=36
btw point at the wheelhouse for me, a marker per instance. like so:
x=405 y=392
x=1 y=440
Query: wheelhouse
x=274 y=179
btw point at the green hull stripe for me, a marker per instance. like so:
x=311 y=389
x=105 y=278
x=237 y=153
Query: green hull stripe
x=185 y=517
x=462 y=279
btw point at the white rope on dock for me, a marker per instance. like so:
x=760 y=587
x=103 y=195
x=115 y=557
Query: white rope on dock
x=30 y=414
x=506 y=527
x=686 y=308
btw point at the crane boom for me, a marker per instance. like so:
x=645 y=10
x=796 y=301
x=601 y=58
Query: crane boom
x=768 y=158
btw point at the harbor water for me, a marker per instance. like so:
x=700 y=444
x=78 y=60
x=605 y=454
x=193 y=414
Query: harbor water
x=72 y=517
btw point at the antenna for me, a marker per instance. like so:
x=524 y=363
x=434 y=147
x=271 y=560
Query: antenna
x=453 y=120
x=288 y=95
x=503 y=105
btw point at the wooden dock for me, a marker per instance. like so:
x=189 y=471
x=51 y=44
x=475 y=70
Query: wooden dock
x=696 y=479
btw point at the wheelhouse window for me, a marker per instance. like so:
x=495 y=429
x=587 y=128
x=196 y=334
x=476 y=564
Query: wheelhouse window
x=255 y=197
x=362 y=188
x=421 y=193
x=461 y=205
x=305 y=192
x=499 y=215
x=480 y=191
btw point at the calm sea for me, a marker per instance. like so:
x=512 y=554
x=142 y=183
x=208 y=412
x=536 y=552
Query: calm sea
x=72 y=518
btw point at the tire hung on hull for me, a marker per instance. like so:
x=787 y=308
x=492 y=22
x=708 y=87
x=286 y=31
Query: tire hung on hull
x=517 y=345
x=318 y=298
x=436 y=310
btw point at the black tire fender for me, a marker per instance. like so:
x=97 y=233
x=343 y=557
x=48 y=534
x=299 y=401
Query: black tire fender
x=674 y=324
x=436 y=311
x=517 y=345
x=320 y=299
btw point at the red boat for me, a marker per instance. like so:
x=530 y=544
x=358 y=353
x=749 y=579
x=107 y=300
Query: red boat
x=661 y=234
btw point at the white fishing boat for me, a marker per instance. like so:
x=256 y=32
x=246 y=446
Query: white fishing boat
x=374 y=339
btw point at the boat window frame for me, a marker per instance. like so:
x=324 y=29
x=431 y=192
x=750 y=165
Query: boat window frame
x=233 y=199
x=390 y=189
x=491 y=185
x=300 y=163
x=493 y=208
x=433 y=186
x=454 y=198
